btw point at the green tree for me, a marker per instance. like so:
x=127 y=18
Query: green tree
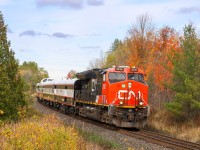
x=115 y=45
x=116 y=55
x=12 y=96
x=186 y=79
x=32 y=74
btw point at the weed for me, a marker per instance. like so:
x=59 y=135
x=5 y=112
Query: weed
x=102 y=142
x=163 y=122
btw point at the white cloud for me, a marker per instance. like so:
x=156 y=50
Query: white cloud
x=61 y=35
x=69 y=3
x=95 y=2
x=188 y=10
x=77 y=4
x=63 y=39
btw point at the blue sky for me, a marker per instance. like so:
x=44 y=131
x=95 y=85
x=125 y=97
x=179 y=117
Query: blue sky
x=61 y=35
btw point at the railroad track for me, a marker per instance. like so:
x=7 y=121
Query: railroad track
x=145 y=135
x=161 y=139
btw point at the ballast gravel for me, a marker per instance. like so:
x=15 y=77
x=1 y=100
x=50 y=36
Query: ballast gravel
x=124 y=141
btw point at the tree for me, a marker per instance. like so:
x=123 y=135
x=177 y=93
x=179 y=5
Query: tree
x=136 y=48
x=32 y=74
x=12 y=96
x=186 y=79
x=97 y=62
x=140 y=41
x=115 y=45
x=71 y=74
x=118 y=54
x=166 y=44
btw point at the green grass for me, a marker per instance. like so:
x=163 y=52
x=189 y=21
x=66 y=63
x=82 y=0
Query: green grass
x=99 y=140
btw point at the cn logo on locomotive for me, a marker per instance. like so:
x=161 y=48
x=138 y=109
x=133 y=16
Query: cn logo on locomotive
x=122 y=93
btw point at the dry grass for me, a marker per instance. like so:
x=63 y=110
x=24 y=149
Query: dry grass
x=163 y=122
x=46 y=133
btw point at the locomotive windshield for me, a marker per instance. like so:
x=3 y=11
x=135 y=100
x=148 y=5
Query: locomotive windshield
x=136 y=77
x=116 y=77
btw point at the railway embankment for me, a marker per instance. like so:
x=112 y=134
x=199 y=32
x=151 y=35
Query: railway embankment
x=51 y=129
x=120 y=141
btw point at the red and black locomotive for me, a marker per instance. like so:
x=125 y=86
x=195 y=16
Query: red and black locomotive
x=117 y=96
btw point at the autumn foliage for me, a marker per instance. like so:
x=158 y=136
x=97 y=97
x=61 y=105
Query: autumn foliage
x=160 y=53
x=151 y=50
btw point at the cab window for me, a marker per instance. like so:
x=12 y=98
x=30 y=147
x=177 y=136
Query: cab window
x=136 y=77
x=116 y=77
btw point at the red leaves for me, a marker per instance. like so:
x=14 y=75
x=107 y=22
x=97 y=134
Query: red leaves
x=154 y=53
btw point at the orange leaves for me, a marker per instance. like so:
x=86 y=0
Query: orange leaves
x=153 y=51
x=148 y=49
x=167 y=43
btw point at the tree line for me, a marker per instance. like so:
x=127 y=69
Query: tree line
x=171 y=61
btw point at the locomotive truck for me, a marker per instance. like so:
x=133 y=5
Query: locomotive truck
x=117 y=96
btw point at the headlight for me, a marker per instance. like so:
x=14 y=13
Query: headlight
x=141 y=103
x=120 y=102
x=129 y=85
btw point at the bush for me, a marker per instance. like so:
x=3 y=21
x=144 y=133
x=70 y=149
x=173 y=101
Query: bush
x=46 y=133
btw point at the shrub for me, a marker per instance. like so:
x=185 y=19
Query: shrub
x=46 y=133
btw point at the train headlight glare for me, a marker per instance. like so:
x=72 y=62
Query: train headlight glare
x=120 y=102
x=129 y=84
x=141 y=103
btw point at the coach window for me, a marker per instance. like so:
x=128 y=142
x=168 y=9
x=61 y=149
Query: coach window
x=44 y=80
x=52 y=90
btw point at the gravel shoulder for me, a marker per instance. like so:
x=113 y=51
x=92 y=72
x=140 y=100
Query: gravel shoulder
x=126 y=142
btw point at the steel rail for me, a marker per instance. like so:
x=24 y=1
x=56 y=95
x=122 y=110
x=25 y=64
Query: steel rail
x=161 y=139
